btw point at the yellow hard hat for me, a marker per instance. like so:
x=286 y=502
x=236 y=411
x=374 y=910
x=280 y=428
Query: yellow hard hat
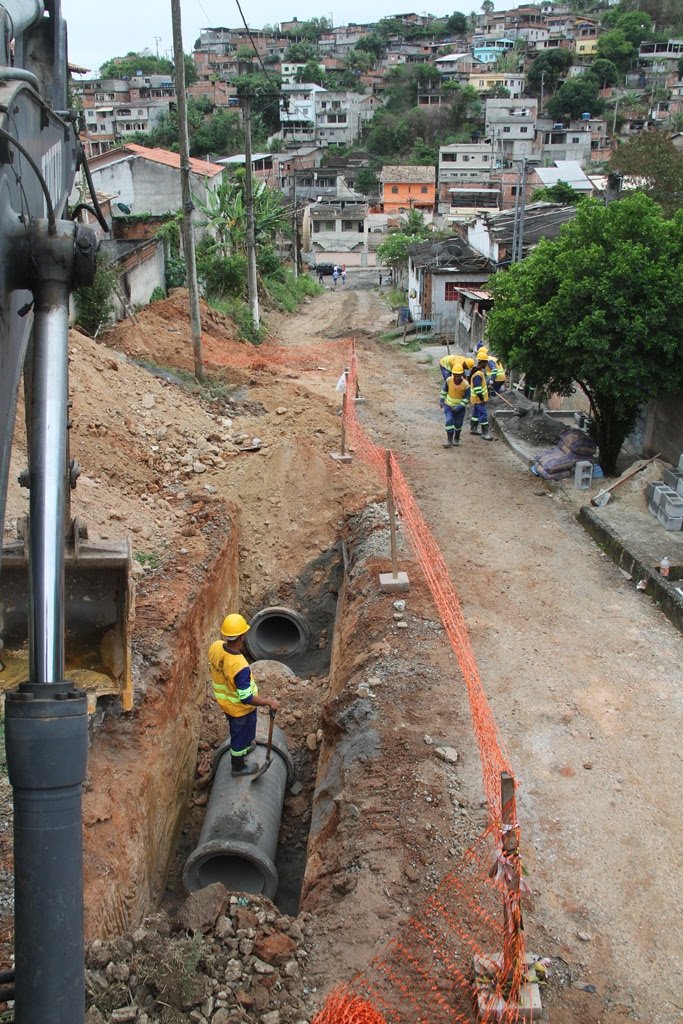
x=469 y=363
x=482 y=355
x=457 y=368
x=233 y=626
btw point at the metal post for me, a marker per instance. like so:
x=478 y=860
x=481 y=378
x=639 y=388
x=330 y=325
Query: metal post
x=252 y=282
x=188 y=206
x=343 y=425
x=392 y=516
x=512 y=909
x=522 y=213
x=515 y=221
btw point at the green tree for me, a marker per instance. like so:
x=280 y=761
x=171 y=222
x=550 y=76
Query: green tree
x=574 y=97
x=549 y=67
x=558 y=193
x=301 y=53
x=367 y=183
x=133 y=62
x=488 y=7
x=413 y=224
x=605 y=71
x=616 y=47
x=393 y=251
x=636 y=25
x=456 y=24
x=654 y=161
x=225 y=214
x=312 y=72
x=600 y=307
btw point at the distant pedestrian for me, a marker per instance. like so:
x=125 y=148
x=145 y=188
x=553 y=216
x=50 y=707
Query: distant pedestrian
x=335 y=276
x=343 y=276
x=380 y=278
x=321 y=277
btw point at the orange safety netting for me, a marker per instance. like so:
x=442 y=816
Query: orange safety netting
x=299 y=357
x=461 y=956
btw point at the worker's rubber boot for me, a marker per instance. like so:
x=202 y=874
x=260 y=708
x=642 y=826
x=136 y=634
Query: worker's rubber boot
x=474 y=426
x=456 y=438
x=240 y=767
x=449 y=439
x=485 y=432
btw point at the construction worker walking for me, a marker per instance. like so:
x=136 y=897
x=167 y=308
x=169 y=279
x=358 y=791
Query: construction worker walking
x=455 y=395
x=236 y=691
x=480 y=396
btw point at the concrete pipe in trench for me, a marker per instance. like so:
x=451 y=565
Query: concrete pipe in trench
x=238 y=840
x=279 y=633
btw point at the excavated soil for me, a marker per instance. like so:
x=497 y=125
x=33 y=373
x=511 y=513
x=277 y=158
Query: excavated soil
x=582 y=671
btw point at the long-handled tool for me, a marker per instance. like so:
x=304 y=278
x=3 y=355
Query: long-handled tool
x=603 y=496
x=266 y=764
x=518 y=412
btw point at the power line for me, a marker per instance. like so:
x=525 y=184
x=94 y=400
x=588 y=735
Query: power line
x=253 y=44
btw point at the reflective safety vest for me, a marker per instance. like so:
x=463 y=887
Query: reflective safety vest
x=480 y=392
x=231 y=685
x=497 y=370
x=448 y=361
x=455 y=394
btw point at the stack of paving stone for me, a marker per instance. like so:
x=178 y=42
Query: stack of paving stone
x=665 y=498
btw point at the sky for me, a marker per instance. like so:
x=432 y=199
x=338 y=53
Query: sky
x=94 y=35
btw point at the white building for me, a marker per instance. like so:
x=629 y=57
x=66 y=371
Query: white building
x=510 y=125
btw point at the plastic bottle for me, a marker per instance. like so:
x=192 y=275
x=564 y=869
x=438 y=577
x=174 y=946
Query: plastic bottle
x=664 y=567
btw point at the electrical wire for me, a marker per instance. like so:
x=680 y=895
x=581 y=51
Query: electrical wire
x=253 y=44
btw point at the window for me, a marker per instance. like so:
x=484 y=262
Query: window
x=524 y=128
x=465 y=158
x=448 y=157
x=451 y=292
x=348 y=225
x=394 y=190
x=324 y=225
x=506 y=128
x=485 y=158
x=424 y=190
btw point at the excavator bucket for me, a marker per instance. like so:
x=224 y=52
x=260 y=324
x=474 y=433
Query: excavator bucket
x=99 y=606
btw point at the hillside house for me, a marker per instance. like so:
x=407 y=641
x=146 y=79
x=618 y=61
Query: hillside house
x=148 y=180
x=510 y=124
x=437 y=272
x=407 y=188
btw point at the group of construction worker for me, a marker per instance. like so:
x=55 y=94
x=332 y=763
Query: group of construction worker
x=469 y=381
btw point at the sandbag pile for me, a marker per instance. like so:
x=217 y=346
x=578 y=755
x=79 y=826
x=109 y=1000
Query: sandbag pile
x=572 y=446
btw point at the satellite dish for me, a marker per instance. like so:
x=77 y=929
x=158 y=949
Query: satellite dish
x=124 y=208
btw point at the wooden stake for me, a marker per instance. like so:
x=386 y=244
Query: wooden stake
x=512 y=909
x=392 y=516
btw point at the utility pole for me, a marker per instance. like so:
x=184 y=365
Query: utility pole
x=614 y=119
x=252 y=284
x=157 y=40
x=540 y=109
x=188 y=207
x=522 y=211
x=295 y=233
x=515 y=221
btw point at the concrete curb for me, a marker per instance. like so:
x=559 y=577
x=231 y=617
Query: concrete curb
x=663 y=592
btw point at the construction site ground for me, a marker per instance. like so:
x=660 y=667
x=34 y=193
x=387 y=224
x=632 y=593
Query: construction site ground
x=582 y=670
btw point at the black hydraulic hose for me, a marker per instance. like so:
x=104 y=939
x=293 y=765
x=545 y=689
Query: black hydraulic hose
x=52 y=224
x=6 y=976
x=97 y=209
x=6 y=994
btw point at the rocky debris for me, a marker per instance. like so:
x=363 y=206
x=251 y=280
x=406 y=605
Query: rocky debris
x=223 y=959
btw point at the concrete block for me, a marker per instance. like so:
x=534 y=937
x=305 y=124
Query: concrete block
x=673 y=506
x=650 y=488
x=672 y=477
x=679 y=486
x=583 y=475
x=662 y=492
x=390 y=584
x=671 y=523
x=490 y=1007
x=338 y=457
x=652 y=507
x=680 y=463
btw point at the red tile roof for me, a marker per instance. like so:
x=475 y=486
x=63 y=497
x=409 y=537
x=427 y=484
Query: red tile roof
x=164 y=156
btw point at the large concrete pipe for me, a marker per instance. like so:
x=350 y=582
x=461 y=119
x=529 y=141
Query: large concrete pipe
x=278 y=633
x=238 y=840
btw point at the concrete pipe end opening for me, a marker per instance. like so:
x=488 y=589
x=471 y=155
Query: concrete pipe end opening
x=240 y=867
x=278 y=633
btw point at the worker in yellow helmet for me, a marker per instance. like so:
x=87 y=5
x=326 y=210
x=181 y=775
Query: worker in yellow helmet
x=480 y=395
x=236 y=692
x=446 y=365
x=455 y=395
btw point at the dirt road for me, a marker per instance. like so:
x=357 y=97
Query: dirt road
x=584 y=677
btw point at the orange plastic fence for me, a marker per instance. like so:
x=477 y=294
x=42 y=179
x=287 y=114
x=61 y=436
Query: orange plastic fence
x=300 y=357
x=440 y=968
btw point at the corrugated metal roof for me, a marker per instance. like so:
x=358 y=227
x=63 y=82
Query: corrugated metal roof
x=449 y=253
x=541 y=220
